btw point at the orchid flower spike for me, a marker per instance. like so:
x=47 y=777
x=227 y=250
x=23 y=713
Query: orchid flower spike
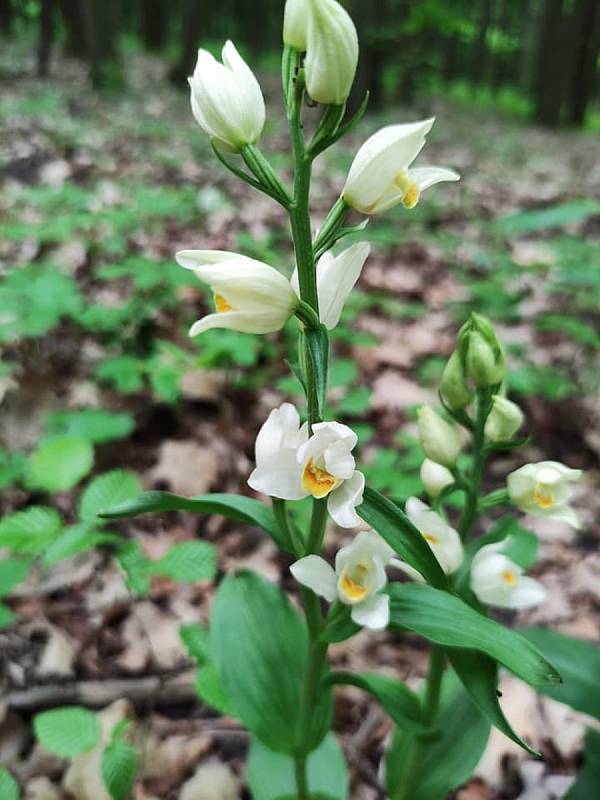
x=250 y=296
x=380 y=177
x=336 y=277
x=498 y=581
x=331 y=52
x=357 y=580
x=291 y=465
x=226 y=98
x=542 y=490
x=443 y=540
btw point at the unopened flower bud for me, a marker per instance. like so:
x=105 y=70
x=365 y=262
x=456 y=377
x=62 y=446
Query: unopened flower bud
x=331 y=53
x=453 y=389
x=480 y=352
x=439 y=439
x=435 y=477
x=295 y=24
x=503 y=421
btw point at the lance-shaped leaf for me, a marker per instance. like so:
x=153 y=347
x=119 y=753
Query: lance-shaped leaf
x=479 y=675
x=392 y=524
x=232 y=506
x=401 y=703
x=447 y=620
x=318 y=346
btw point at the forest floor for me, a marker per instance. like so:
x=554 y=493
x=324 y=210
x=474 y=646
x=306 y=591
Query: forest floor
x=96 y=195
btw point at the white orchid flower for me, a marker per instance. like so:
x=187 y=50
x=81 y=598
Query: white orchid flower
x=357 y=580
x=380 y=177
x=336 y=277
x=435 y=477
x=439 y=439
x=295 y=23
x=542 y=490
x=504 y=420
x=331 y=52
x=498 y=581
x=250 y=296
x=290 y=465
x=443 y=540
x=227 y=101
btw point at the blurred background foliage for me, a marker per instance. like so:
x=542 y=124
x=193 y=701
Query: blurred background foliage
x=539 y=58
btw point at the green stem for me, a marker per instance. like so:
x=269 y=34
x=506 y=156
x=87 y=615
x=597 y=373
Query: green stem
x=472 y=506
x=288 y=530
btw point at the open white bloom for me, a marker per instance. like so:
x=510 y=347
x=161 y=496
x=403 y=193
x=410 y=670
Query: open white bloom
x=250 y=296
x=336 y=277
x=498 y=581
x=290 y=465
x=443 y=540
x=331 y=52
x=543 y=490
x=357 y=580
x=295 y=23
x=439 y=439
x=435 y=477
x=227 y=101
x=380 y=177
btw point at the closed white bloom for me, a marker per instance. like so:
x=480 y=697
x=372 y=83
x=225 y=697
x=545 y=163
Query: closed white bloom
x=543 y=490
x=498 y=581
x=290 y=465
x=250 y=296
x=331 y=52
x=435 y=477
x=336 y=277
x=227 y=101
x=295 y=23
x=503 y=421
x=440 y=440
x=444 y=541
x=357 y=580
x=380 y=177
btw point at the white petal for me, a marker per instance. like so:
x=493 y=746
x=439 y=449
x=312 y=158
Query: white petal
x=316 y=574
x=529 y=592
x=425 y=177
x=336 y=277
x=373 y=613
x=407 y=570
x=192 y=259
x=279 y=476
x=342 y=501
x=339 y=461
x=281 y=427
x=242 y=321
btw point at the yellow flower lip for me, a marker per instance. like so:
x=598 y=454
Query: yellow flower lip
x=542 y=498
x=411 y=196
x=352 y=589
x=222 y=305
x=318 y=482
x=431 y=538
x=510 y=578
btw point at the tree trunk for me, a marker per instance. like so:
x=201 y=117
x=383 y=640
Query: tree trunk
x=551 y=65
x=480 y=52
x=526 y=76
x=45 y=37
x=101 y=30
x=75 y=45
x=586 y=49
x=192 y=19
x=6 y=16
x=154 y=24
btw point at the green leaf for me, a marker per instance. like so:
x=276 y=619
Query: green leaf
x=136 y=567
x=67 y=732
x=404 y=538
x=105 y=491
x=60 y=463
x=259 y=643
x=271 y=775
x=579 y=664
x=77 y=539
x=401 y=703
x=7 y=617
x=13 y=571
x=445 y=762
x=196 y=640
x=31 y=530
x=317 y=340
x=120 y=764
x=232 y=506
x=340 y=625
x=209 y=688
x=9 y=789
x=588 y=779
x=479 y=675
x=188 y=561
x=448 y=621
x=94 y=424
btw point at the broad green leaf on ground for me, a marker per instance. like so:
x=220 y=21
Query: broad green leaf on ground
x=271 y=775
x=588 y=778
x=196 y=639
x=105 y=491
x=119 y=767
x=77 y=539
x=9 y=789
x=556 y=216
x=60 y=463
x=136 y=567
x=259 y=644
x=30 y=531
x=400 y=703
x=577 y=661
x=479 y=675
x=392 y=524
x=444 y=762
x=94 y=424
x=13 y=571
x=447 y=620
x=232 y=506
x=68 y=731
x=188 y=561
